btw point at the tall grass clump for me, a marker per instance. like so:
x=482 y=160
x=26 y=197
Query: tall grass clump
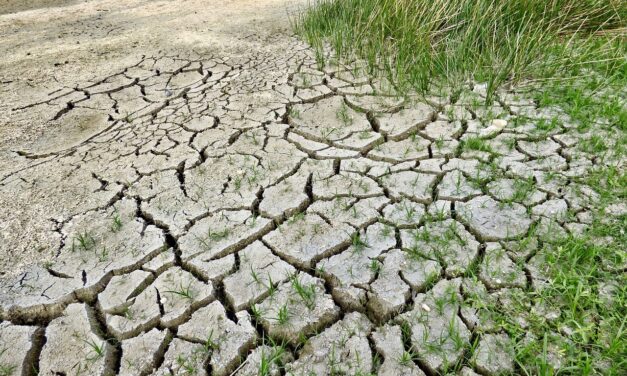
x=419 y=43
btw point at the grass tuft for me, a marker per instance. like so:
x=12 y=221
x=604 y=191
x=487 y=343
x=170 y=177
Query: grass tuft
x=436 y=44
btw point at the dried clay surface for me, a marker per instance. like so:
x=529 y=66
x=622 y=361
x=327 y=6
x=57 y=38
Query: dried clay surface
x=184 y=190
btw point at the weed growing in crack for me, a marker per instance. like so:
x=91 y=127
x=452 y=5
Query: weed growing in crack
x=84 y=241
x=376 y=361
x=343 y=115
x=255 y=276
x=350 y=271
x=302 y=339
x=357 y=242
x=477 y=144
x=254 y=176
x=256 y=312
x=405 y=330
x=406 y=151
x=484 y=176
x=306 y=81
x=594 y=145
x=510 y=143
x=183 y=291
x=210 y=344
x=320 y=270
x=187 y=364
x=458 y=183
x=440 y=304
x=213 y=236
x=455 y=335
x=408 y=210
x=353 y=209
x=363 y=185
x=422 y=235
x=333 y=361
x=326 y=133
x=237 y=182
x=296 y=218
x=437 y=212
x=276 y=354
x=522 y=189
x=406 y=358
x=268 y=360
x=128 y=313
x=416 y=139
x=300 y=234
x=306 y=292
x=449 y=112
x=272 y=287
x=415 y=252
x=294 y=113
x=103 y=255
x=364 y=135
x=283 y=315
x=97 y=350
x=439 y=143
x=344 y=203
x=387 y=231
x=253 y=137
x=375 y=266
x=116 y=224
x=545 y=126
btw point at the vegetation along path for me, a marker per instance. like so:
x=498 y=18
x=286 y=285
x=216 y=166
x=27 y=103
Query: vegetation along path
x=188 y=188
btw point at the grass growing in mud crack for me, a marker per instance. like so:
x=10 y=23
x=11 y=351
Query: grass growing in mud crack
x=568 y=54
x=589 y=298
x=574 y=320
x=418 y=43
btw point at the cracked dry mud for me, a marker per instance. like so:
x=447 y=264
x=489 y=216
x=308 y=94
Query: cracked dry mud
x=222 y=203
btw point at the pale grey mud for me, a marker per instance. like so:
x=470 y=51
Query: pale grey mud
x=184 y=190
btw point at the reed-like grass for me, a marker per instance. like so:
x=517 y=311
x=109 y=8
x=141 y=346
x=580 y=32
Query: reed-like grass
x=420 y=44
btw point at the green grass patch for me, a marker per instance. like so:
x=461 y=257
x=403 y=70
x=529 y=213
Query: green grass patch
x=588 y=296
x=574 y=319
x=441 y=44
x=477 y=144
